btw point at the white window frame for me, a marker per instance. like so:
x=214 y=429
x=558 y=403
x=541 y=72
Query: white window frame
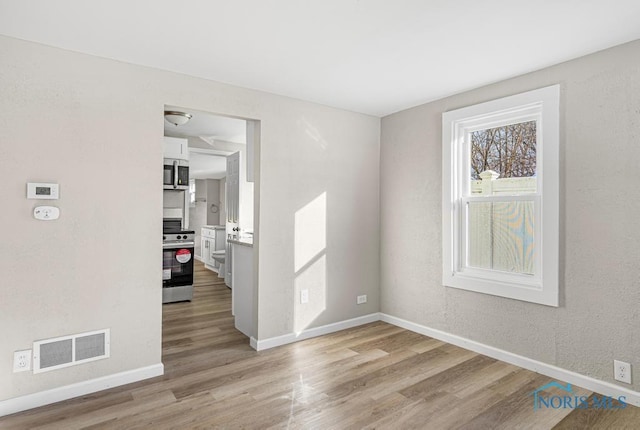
x=543 y=106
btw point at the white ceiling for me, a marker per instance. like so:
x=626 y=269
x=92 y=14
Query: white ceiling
x=207 y=166
x=371 y=56
x=208 y=126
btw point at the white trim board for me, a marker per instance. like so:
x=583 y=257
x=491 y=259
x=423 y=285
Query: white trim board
x=272 y=342
x=253 y=342
x=30 y=401
x=592 y=384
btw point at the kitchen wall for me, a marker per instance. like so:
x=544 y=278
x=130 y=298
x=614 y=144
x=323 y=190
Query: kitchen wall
x=198 y=213
x=207 y=193
x=173 y=204
x=600 y=200
x=246 y=204
x=95 y=126
x=213 y=198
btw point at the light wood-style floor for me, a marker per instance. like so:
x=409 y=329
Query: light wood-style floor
x=374 y=376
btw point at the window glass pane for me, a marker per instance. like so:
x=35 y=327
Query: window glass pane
x=506 y=158
x=500 y=236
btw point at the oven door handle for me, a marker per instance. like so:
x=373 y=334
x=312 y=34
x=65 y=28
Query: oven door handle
x=178 y=245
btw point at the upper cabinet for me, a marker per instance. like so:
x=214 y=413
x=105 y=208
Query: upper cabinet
x=176 y=148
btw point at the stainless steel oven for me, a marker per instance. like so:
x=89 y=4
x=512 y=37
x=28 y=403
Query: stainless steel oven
x=176 y=174
x=177 y=263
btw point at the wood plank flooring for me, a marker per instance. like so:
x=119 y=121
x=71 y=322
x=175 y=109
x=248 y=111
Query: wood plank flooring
x=376 y=376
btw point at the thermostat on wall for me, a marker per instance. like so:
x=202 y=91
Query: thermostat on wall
x=37 y=190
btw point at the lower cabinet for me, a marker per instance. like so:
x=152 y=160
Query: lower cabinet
x=208 y=246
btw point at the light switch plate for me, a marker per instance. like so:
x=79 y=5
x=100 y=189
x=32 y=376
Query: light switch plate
x=46 y=213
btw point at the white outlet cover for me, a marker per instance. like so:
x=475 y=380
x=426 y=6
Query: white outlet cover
x=622 y=371
x=22 y=360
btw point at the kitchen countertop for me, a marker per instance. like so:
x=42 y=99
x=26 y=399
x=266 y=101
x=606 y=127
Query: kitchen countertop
x=244 y=241
x=214 y=227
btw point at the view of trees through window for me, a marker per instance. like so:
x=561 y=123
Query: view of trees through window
x=509 y=150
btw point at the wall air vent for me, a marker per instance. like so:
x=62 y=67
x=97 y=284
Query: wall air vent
x=51 y=354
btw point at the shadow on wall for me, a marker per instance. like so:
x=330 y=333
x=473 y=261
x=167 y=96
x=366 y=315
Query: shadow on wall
x=310 y=263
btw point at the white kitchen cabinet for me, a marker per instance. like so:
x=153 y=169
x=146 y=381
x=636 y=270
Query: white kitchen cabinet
x=176 y=148
x=207 y=245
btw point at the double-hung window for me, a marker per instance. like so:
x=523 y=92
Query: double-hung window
x=501 y=196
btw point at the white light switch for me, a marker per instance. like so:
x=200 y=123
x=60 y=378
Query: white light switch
x=46 y=213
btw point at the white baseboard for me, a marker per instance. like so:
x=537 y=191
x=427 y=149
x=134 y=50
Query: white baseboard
x=197 y=257
x=29 y=401
x=592 y=384
x=313 y=332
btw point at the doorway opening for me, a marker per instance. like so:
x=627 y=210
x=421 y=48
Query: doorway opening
x=217 y=206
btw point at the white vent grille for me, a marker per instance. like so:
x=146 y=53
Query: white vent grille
x=51 y=354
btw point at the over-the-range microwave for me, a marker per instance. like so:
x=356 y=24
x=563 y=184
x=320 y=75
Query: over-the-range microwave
x=176 y=174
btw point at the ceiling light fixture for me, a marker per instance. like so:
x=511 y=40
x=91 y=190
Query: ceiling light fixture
x=177 y=118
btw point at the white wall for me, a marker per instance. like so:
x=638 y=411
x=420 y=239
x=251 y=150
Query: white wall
x=207 y=193
x=213 y=198
x=317 y=153
x=96 y=127
x=600 y=201
x=198 y=213
x=173 y=203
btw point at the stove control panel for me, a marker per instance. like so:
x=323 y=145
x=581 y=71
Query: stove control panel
x=190 y=236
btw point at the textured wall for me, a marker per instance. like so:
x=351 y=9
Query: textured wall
x=600 y=201
x=320 y=152
x=96 y=127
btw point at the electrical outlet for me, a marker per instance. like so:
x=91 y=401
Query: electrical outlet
x=622 y=371
x=22 y=360
x=361 y=299
x=304 y=296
